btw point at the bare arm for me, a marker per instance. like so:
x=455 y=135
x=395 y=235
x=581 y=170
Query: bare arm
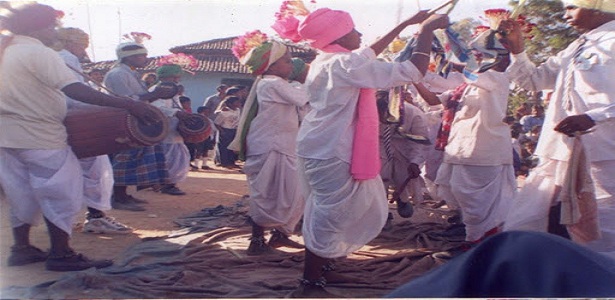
x=430 y=97
x=86 y=94
x=420 y=57
x=383 y=42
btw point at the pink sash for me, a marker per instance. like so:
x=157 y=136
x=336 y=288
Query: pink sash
x=365 y=159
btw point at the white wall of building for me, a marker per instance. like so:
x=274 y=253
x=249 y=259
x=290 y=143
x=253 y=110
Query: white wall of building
x=202 y=85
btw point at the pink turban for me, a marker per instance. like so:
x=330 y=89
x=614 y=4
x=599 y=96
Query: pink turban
x=323 y=26
x=31 y=17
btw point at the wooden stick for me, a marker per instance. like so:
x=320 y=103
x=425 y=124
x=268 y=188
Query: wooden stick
x=94 y=81
x=517 y=10
x=452 y=7
x=434 y=10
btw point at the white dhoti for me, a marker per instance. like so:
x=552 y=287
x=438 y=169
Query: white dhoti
x=530 y=209
x=341 y=214
x=177 y=161
x=603 y=175
x=47 y=181
x=97 y=182
x=482 y=193
x=276 y=200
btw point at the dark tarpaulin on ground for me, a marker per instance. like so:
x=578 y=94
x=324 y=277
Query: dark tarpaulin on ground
x=206 y=259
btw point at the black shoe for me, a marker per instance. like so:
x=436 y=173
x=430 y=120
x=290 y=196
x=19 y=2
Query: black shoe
x=404 y=209
x=26 y=254
x=172 y=190
x=74 y=262
x=124 y=205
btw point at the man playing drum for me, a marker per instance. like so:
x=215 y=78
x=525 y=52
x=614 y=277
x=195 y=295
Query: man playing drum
x=97 y=170
x=38 y=171
x=140 y=166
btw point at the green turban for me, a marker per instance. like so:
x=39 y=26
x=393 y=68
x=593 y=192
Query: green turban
x=168 y=71
x=298 y=68
x=260 y=58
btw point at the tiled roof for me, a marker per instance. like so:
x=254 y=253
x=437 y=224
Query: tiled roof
x=213 y=56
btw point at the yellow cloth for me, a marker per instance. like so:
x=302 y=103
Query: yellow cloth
x=579 y=208
x=607 y=6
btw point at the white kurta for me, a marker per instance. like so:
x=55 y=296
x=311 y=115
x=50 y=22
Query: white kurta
x=341 y=214
x=276 y=200
x=477 y=175
x=587 y=90
x=177 y=156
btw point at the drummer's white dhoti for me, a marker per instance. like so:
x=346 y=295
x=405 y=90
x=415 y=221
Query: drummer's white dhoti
x=47 y=181
x=97 y=181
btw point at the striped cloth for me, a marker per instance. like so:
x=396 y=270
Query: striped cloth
x=140 y=166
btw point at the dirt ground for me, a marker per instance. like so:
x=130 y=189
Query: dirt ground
x=204 y=189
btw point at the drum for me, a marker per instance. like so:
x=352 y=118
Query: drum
x=98 y=130
x=194 y=129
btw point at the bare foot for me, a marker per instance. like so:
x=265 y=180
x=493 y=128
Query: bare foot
x=336 y=277
x=279 y=239
x=257 y=246
x=311 y=292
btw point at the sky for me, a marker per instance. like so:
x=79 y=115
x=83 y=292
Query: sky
x=179 y=22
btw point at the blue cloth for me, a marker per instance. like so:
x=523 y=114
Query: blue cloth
x=225 y=137
x=140 y=166
x=520 y=265
x=530 y=121
x=516 y=161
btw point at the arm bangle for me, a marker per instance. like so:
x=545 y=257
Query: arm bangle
x=421 y=53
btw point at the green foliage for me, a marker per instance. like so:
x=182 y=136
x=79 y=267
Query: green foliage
x=550 y=36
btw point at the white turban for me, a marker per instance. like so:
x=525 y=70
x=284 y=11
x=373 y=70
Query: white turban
x=607 y=6
x=121 y=53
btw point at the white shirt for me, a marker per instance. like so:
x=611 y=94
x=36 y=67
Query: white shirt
x=479 y=136
x=32 y=105
x=124 y=81
x=73 y=62
x=169 y=108
x=276 y=125
x=593 y=93
x=228 y=119
x=414 y=122
x=334 y=83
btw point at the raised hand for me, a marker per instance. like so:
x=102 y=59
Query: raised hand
x=509 y=33
x=419 y=17
x=435 y=21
